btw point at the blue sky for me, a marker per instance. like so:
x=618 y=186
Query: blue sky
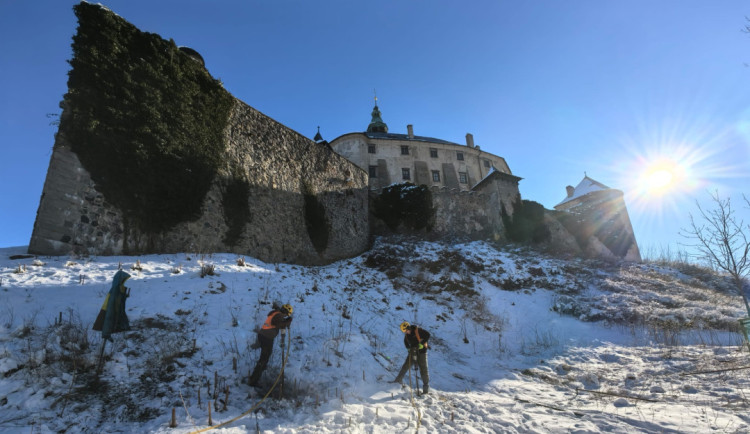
x=556 y=88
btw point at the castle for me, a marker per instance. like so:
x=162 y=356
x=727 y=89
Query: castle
x=159 y=158
x=390 y=158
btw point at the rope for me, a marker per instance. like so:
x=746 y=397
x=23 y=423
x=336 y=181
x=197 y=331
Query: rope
x=411 y=389
x=253 y=408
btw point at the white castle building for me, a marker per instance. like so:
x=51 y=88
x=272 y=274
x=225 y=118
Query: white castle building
x=392 y=158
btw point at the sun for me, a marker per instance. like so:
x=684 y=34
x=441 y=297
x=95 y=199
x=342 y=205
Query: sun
x=659 y=179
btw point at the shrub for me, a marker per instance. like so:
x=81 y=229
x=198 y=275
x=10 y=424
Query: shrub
x=526 y=225
x=405 y=204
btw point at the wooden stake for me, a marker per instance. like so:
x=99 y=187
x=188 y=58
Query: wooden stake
x=60 y=320
x=234 y=364
x=173 y=424
x=216 y=383
x=100 y=364
x=210 y=422
x=199 y=397
x=226 y=397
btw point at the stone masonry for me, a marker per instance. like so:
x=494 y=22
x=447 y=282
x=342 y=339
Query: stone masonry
x=73 y=217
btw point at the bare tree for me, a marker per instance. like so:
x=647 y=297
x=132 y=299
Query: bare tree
x=722 y=240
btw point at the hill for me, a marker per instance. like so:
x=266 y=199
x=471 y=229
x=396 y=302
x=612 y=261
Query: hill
x=521 y=342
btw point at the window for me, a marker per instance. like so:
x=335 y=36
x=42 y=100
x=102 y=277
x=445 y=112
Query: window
x=462 y=178
x=460 y=156
x=370 y=149
x=404 y=150
x=486 y=163
x=433 y=152
x=435 y=176
x=405 y=174
x=373 y=171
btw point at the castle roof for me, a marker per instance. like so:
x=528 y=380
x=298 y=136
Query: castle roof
x=318 y=138
x=586 y=186
x=392 y=136
x=376 y=124
x=494 y=174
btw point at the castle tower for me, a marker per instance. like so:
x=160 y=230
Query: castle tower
x=376 y=124
x=318 y=138
x=601 y=223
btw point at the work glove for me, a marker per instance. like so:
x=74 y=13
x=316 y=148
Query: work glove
x=421 y=347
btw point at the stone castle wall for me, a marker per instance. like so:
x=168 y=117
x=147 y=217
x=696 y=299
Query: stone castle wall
x=205 y=172
x=456 y=214
x=278 y=163
x=466 y=214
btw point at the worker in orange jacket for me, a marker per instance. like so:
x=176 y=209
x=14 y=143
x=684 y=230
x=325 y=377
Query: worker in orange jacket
x=278 y=319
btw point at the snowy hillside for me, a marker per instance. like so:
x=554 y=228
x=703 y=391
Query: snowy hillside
x=520 y=343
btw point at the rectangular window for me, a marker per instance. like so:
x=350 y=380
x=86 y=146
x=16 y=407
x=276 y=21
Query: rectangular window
x=486 y=163
x=433 y=152
x=462 y=178
x=370 y=149
x=435 y=176
x=460 y=156
x=405 y=174
x=404 y=150
x=373 y=171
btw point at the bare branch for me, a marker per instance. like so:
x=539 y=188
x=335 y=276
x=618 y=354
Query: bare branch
x=721 y=240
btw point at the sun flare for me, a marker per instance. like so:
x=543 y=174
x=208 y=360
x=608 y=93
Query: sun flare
x=659 y=179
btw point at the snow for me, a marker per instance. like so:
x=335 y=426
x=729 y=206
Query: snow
x=521 y=343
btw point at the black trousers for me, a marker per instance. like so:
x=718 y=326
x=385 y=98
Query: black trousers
x=266 y=348
x=421 y=362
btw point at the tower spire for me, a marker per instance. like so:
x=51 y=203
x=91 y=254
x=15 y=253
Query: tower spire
x=318 y=138
x=376 y=124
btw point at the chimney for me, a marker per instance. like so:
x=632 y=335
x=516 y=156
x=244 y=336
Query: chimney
x=410 y=131
x=570 y=190
x=469 y=140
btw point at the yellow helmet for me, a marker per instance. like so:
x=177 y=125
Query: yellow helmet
x=288 y=308
x=404 y=326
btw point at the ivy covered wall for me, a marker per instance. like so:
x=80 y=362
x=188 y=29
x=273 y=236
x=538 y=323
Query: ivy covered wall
x=144 y=118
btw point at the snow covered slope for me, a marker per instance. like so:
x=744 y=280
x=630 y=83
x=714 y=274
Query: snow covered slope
x=521 y=343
